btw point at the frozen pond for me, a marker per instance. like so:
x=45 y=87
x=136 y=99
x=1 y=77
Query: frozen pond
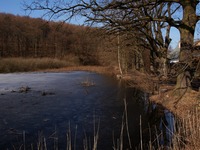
x=50 y=105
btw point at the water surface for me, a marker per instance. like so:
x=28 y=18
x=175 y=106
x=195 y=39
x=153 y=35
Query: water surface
x=55 y=104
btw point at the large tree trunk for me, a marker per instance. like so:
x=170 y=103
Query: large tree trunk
x=187 y=29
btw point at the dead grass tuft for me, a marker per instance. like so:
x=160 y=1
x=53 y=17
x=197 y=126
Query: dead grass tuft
x=179 y=104
x=140 y=81
x=87 y=83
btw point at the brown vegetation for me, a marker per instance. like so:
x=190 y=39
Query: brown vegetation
x=186 y=107
x=26 y=37
x=8 y=65
x=34 y=44
x=179 y=103
x=184 y=104
x=112 y=71
x=141 y=81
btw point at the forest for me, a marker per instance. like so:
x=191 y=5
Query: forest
x=27 y=37
x=36 y=38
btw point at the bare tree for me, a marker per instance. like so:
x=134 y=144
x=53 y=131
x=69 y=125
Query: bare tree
x=148 y=17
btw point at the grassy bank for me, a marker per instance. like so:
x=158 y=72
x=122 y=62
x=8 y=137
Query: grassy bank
x=188 y=132
x=109 y=70
x=186 y=107
x=185 y=133
x=10 y=65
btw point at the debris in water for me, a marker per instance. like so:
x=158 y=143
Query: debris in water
x=24 y=89
x=44 y=93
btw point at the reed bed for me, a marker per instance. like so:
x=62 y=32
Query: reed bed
x=188 y=133
x=185 y=136
x=8 y=65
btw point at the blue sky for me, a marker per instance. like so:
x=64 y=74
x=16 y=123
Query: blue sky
x=15 y=7
x=12 y=7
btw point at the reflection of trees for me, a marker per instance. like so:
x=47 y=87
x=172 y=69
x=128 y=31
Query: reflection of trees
x=161 y=127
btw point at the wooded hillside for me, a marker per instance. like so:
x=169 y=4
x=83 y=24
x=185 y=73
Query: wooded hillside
x=28 y=37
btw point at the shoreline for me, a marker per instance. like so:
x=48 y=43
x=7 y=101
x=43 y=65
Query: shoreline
x=159 y=93
x=163 y=94
x=98 y=69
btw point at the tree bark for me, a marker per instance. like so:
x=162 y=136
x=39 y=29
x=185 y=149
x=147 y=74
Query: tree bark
x=187 y=28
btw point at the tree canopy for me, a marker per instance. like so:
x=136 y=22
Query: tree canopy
x=144 y=20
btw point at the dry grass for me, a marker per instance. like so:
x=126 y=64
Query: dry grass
x=19 y=64
x=8 y=65
x=185 y=105
x=87 y=83
x=141 y=81
x=185 y=136
x=188 y=132
x=179 y=104
x=98 y=69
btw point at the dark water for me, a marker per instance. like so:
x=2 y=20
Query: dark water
x=49 y=107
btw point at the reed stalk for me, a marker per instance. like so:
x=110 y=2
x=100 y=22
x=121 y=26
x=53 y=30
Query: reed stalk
x=185 y=135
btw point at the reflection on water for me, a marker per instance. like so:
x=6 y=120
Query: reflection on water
x=161 y=124
x=57 y=105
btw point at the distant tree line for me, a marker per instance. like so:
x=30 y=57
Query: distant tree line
x=28 y=37
x=36 y=38
x=148 y=21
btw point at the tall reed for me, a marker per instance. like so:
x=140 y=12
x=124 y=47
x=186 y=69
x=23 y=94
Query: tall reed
x=184 y=134
x=8 y=65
